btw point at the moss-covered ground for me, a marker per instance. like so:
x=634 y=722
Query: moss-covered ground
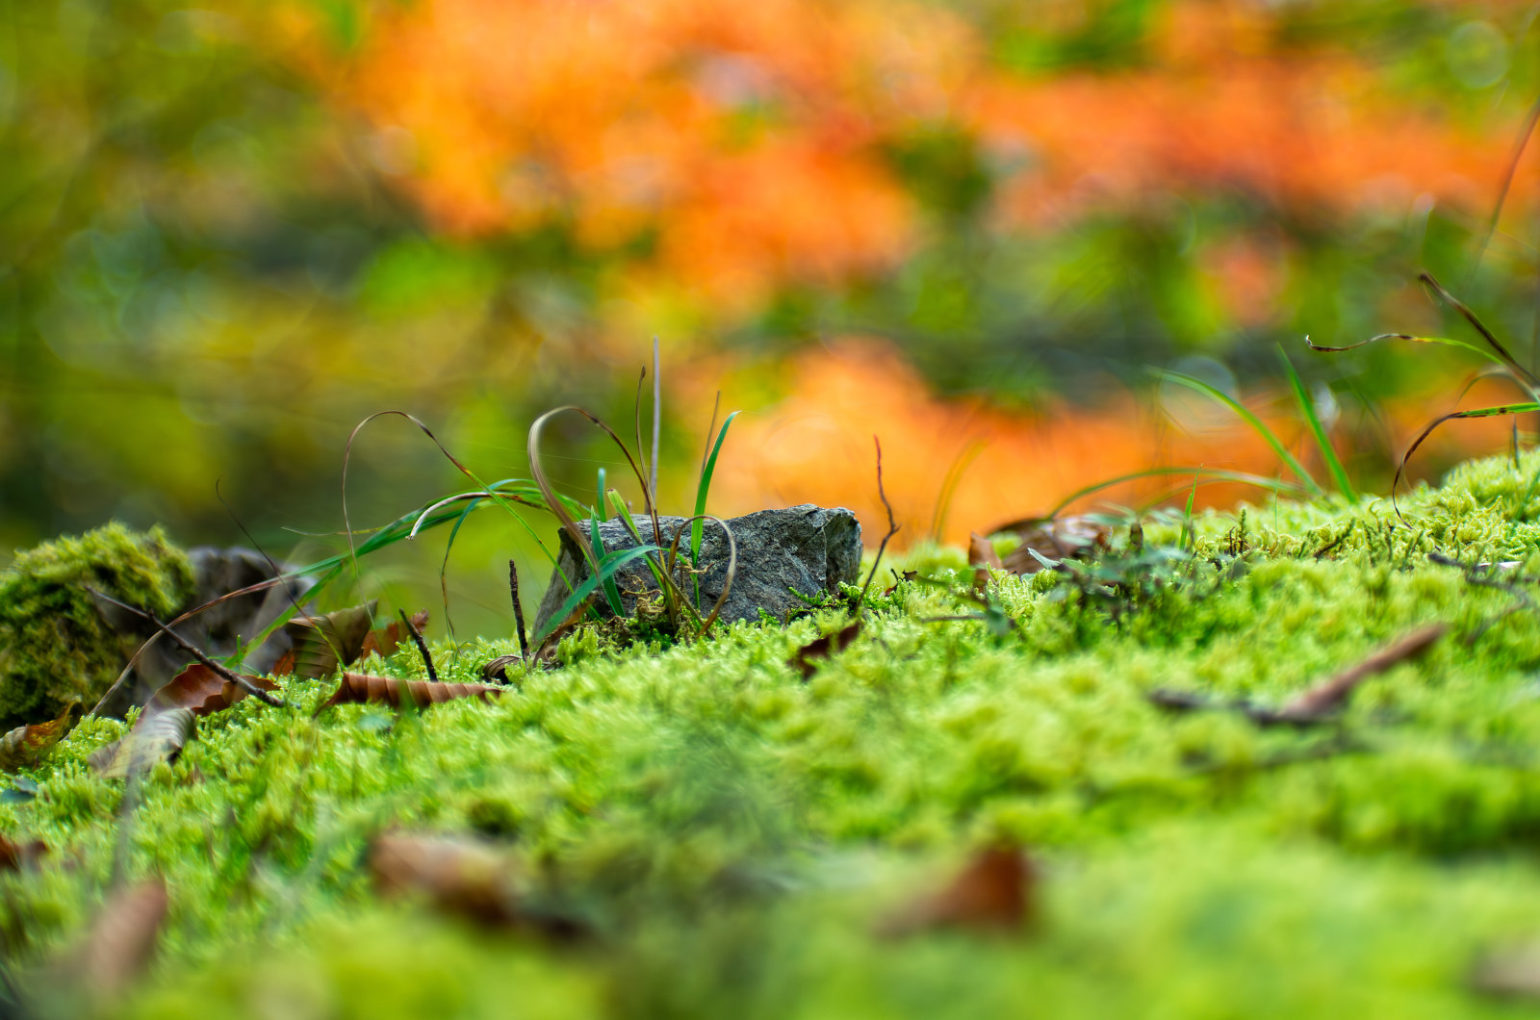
x=734 y=836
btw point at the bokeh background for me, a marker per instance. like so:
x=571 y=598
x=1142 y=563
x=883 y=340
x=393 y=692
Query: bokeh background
x=227 y=234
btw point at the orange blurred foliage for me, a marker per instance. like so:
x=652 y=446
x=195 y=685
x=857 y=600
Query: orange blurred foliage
x=816 y=447
x=747 y=143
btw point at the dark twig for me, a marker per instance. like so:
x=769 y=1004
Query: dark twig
x=892 y=529
x=518 y=608
x=1473 y=576
x=223 y=671
x=1320 y=703
x=422 y=646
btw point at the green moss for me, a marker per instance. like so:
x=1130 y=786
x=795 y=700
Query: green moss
x=55 y=645
x=734 y=834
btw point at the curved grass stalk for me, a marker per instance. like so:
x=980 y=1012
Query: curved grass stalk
x=708 y=468
x=606 y=569
x=1318 y=430
x=1257 y=424
x=1215 y=474
x=1498 y=410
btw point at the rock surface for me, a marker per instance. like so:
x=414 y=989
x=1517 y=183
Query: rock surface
x=810 y=548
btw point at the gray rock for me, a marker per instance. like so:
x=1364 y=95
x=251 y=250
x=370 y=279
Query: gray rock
x=217 y=631
x=809 y=548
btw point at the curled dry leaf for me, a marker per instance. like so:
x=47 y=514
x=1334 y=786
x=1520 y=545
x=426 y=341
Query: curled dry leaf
x=323 y=644
x=167 y=722
x=202 y=691
x=25 y=746
x=15 y=856
x=155 y=738
x=457 y=875
x=496 y=670
x=383 y=641
x=465 y=878
x=809 y=655
x=996 y=892
x=122 y=940
x=358 y=688
x=1057 y=538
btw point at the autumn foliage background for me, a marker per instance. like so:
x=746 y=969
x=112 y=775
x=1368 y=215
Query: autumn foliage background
x=227 y=235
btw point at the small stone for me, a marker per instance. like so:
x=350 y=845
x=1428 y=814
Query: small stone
x=810 y=548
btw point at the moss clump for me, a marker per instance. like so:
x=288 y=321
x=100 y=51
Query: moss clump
x=56 y=644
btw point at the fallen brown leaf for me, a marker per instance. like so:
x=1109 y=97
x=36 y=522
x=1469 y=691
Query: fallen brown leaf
x=358 y=688
x=981 y=552
x=323 y=644
x=202 y=691
x=456 y=875
x=383 y=641
x=158 y=736
x=15 y=856
x=809 y=655
x=995 y=891
x=1057 y=538
x=122 y=940
x=465 y=878
x=25 y=746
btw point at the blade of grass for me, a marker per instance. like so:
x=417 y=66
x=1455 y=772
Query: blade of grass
x=654 y=565
x=1313 y=419
x=1257 y=425
x=1273 y=484
x=949 y=483
x=708 y=468
x=608 y=566
x=1443 y=340
x=1531 y=382
x=611 y=592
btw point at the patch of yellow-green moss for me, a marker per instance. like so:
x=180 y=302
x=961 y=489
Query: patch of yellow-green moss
x=55 y=645
x=733 y=834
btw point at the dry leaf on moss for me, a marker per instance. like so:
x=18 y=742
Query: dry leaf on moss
x=324 y=644
x=996 y=892
x=122 y=940
x=809 y=655
x=383 y=641
x=359 y=688
x=15 y=856
x=25 y=746
x=155 y=738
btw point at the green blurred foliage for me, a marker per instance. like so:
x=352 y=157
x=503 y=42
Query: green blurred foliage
x=207 y=278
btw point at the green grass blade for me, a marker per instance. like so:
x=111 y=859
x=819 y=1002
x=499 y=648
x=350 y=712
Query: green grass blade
x=611 y=593
x=1286 y=488
x=1495 y=411
x=609 y=564
x=1257 y=424
x=1307 y=408
x=701 y=490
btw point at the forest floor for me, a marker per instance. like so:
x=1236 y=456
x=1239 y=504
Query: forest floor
x=1284 y=764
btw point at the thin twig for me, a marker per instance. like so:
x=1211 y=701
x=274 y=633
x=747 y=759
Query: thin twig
x=892 y=529
x=191 y=649
x=422 y=646
x=518 y=608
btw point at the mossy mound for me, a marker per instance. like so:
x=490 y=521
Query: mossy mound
x=734 y=836
x=56 y=642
